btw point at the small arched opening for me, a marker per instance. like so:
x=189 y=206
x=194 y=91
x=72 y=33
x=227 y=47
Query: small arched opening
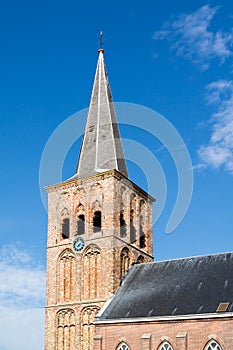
x=97 y=221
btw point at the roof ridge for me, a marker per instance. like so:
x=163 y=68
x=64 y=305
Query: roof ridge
x=193 y=257
x=183 y=258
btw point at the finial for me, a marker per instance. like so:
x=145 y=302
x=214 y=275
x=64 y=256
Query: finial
x=101 y=42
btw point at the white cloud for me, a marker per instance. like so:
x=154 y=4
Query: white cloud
x=22 y=298
x=219 y=151
x=22 y=282
x=190 y=36
x=12 y=254
x=21 y=329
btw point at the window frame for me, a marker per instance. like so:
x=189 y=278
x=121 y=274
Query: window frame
x=209 y=345
x=120 y=346
x=162 y=346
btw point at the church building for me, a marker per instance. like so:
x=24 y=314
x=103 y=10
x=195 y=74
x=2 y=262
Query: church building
x=103 y=290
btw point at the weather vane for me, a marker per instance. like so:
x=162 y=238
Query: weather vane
x=101 y=40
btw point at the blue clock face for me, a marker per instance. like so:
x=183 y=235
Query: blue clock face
x=78 y=244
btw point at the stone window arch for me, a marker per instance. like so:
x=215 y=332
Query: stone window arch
x=91 y=271
x=122 y=346
x=125 y=261
x=80 y=220
x=142 y=206
x=133 y=215
x=97 y=188
x=88 y=328
x=122 y=193
x=65 y=224
x=213 y=345
x=65 y=330
x=66 y=268
x=165 y=346
x=80 y=193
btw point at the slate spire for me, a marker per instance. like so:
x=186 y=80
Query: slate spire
x=101 y=146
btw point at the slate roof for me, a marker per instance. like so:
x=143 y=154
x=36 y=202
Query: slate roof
x=195 y=285
x=101 y=147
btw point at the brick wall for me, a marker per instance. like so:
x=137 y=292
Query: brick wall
x=182 y=335
x=78 y=284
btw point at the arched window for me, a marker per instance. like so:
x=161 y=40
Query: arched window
x=125 y=261
x=123 y=346
x=213 y=345
x=65 y=228
x=80 y=224
x=65 y=332
x=132 y=227
x=142 y=237
x=97 y=221
x=122 y=200
x=132 y=218
x=91 y=272
x=142 y=226
x=165 y=346
x=140 y=259
x=66 y=276
x=122 y=224
x=88 y=328
x=65 y=224
x=80 y=220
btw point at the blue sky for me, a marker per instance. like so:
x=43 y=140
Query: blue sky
x=173 y=57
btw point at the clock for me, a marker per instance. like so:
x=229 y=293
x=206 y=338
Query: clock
x=78 y=244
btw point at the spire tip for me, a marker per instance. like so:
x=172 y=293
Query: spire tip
x=101 y=42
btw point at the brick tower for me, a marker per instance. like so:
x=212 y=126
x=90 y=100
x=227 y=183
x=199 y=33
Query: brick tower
x=99 y=223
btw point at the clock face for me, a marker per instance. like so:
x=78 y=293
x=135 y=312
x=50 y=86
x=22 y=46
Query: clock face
x=78 y=244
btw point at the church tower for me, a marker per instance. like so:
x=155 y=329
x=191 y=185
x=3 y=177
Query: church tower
x=99 y=224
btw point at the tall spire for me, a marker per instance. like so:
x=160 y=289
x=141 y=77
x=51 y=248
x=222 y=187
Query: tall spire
x=101 y=146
